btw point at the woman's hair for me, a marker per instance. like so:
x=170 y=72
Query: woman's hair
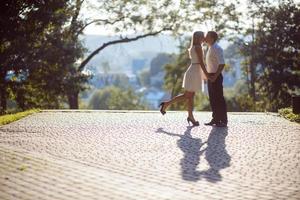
x=196 y=35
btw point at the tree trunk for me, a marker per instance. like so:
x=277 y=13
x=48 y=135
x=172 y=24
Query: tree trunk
x=73 y=100
x=3 y=98
x=3 y=93
x=252 y=80
x=252 y=65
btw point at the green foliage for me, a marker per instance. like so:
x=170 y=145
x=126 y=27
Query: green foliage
x=277 y=54
x=201 y=102
x=114 y=98
x=288 y=114
x=5 y=119
x=39 y=46
x=238 y=98
x=221 y=16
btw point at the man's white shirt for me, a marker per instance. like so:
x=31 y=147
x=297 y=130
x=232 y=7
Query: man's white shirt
x=214 y=58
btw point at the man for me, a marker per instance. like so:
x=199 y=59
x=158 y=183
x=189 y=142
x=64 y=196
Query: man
x=215 y=64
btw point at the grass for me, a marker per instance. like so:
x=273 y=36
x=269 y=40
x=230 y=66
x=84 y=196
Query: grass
x=6 y=119
x=288 y=114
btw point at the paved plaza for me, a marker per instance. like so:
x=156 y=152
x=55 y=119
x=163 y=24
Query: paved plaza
x=143 y=155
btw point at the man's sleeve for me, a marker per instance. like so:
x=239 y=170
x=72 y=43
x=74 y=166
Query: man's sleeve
x=220 y=56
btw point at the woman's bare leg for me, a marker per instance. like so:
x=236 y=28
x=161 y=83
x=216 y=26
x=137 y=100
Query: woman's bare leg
x=186 y=96
x=177 y=98
x=190 y=105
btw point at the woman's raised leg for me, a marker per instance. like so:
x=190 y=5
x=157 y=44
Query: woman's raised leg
x=177 y=98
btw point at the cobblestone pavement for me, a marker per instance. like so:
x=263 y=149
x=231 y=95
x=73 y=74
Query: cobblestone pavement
x=143 y=155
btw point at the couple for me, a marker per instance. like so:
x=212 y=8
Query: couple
x=192 y=80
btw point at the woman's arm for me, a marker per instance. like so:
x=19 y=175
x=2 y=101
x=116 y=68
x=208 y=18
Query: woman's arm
x=200 y=56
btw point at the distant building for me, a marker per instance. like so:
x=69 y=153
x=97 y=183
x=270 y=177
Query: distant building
x=101 y=80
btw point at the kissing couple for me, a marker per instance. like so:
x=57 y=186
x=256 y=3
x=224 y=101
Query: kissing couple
x=211 y=71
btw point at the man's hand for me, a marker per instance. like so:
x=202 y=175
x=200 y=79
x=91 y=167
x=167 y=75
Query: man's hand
x=218 y=72
x=213 y=78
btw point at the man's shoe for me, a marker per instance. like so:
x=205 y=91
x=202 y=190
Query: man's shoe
x=211 y=123
x=221 y=124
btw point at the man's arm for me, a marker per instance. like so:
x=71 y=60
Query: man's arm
x=219 y=55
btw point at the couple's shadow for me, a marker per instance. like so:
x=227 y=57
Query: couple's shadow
x=214 y=151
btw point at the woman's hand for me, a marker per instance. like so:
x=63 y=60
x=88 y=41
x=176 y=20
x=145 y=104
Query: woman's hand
x=208 y=76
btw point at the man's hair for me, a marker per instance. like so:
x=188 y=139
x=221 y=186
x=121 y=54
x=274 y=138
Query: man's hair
x=214 y=35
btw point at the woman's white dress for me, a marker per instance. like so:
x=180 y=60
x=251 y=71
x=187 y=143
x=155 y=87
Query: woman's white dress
x=192 y=80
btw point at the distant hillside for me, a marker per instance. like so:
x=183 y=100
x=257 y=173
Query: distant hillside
x=121 y=56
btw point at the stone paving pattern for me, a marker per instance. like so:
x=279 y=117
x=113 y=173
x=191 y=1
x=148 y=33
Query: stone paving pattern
x=144 y=155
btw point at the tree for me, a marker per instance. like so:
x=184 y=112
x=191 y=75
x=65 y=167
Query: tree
x=114 y=98
x=255 y=8
x=277 y=55
x=35 y=51
x=76 y=80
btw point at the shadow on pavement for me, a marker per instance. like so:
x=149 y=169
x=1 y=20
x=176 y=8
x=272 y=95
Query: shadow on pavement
x=215 y=154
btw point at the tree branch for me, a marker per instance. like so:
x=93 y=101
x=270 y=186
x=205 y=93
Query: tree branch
x=122 y=40
x=99 y=20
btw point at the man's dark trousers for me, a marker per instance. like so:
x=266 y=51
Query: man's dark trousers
x=217 y=100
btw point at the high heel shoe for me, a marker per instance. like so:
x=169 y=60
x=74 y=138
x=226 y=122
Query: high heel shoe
x=195 y=123
x=161 y=105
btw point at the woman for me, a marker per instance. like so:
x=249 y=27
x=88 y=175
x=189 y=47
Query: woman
x=192 y=80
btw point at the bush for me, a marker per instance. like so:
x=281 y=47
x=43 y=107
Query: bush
x=5 y=119
x=288 y=114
